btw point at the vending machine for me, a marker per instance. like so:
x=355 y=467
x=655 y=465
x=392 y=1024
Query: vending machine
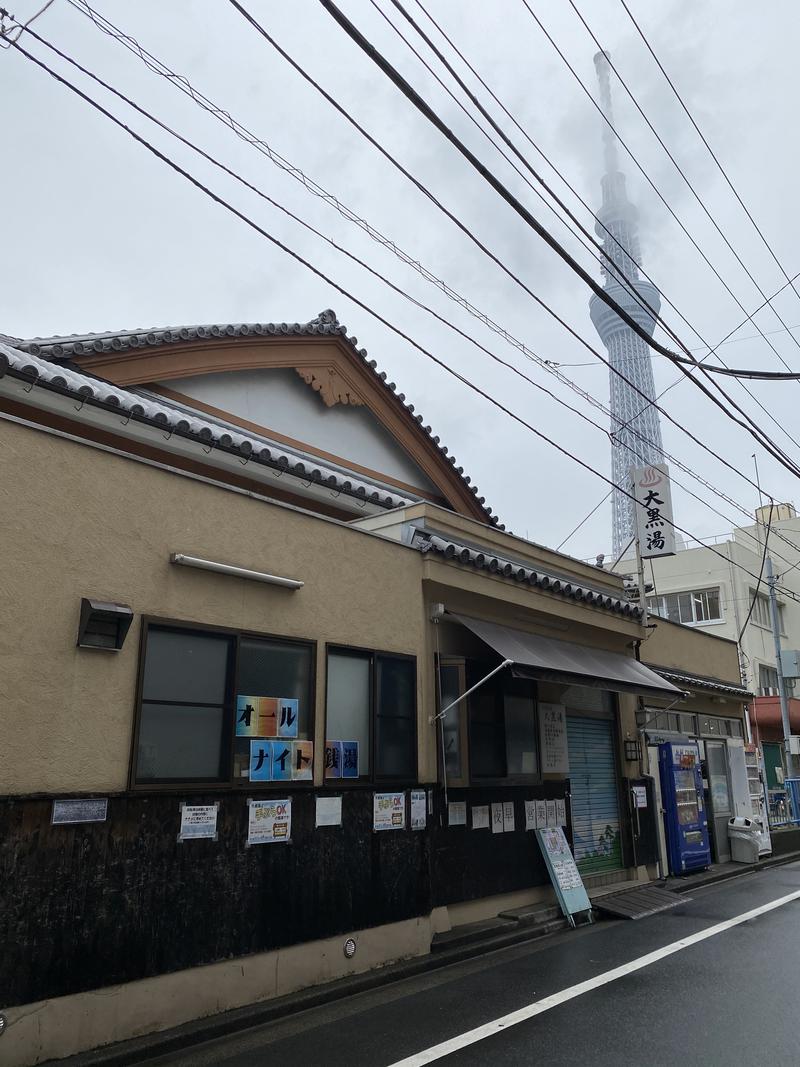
x=684 y=813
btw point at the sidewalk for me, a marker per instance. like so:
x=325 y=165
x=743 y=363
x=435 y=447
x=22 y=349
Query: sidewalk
x=721 y=872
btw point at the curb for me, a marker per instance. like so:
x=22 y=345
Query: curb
x=685 y=886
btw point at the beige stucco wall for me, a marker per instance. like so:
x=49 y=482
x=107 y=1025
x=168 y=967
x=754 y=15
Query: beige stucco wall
x=76 y=521
x=686 y=648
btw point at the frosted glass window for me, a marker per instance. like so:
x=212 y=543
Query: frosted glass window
x=190 y=667
x=349 y=699
x=179 y=741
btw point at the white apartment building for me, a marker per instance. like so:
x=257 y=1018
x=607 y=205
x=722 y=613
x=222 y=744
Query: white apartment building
x=709 y=588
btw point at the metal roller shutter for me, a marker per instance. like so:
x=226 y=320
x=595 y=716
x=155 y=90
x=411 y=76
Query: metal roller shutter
x=593 y=795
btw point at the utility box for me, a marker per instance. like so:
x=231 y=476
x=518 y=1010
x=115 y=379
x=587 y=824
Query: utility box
x=744 y=835
x=790 y=662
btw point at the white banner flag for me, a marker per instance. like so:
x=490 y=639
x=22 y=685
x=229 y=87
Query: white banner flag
x=653 y=510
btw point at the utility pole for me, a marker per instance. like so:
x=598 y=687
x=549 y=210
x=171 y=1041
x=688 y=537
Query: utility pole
x=776 y=633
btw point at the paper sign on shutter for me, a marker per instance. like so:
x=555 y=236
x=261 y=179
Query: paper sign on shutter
x=553 y=738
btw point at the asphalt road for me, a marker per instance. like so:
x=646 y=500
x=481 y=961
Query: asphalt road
x=730 y=998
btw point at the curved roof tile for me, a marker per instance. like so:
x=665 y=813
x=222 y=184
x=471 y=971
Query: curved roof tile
x=326 y=324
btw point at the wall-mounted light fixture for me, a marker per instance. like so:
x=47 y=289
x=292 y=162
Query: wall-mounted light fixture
x=633 y=751
x=235 y=572
x=103 y=625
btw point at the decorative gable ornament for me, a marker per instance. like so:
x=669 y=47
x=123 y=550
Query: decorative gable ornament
x=331 y=385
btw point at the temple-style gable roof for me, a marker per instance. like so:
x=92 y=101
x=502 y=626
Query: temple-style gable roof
x=305 y=386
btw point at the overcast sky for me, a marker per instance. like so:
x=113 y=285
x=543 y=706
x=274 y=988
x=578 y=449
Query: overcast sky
x=99 y=235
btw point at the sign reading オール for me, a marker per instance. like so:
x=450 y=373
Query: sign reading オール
x=653 y=510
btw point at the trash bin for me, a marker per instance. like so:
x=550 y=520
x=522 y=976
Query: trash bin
x=744 y=835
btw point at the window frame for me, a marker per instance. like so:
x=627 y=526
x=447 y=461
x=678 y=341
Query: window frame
x=372 y=781
x=183 y=785
x=661 y=611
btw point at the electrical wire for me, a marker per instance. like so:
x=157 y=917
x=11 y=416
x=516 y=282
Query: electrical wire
x=616 y=271
x=639 y=167
x=182 y=83
x=382 y=63
x=584 y=520
x=401 y=292
x=711 y=152
x=222 y=202
x=689 y=185
x=760 y=575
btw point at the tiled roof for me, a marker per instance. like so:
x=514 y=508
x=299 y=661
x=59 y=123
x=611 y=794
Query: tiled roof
x=516 y=572
x=703 y=683
x=207 y=431
x=325 y=324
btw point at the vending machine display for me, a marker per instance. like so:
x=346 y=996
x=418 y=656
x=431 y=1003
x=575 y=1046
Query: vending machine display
x=684 y=813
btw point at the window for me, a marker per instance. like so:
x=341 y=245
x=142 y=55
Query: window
x=452 y=683
x=696 y=606
x=223 y=708
x=502 y=726
x=371 y=726
x=762 y=614
x=767 y=680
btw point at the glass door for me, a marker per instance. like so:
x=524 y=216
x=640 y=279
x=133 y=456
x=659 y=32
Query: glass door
x=719 y=794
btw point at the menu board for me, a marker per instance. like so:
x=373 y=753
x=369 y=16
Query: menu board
x=564 y=875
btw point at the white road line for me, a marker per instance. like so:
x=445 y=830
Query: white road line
x=445 y=1048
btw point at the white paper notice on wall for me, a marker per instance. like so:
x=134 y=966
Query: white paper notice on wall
x=480 y=817
x=553 y=739
x=508 y=816
x=551 y=813
x=388 y=811
x=457 y=813
x=198 y=821
x=328 y=811
x=419 y=818
x=269 y=822
x=497 y=818
x=530 y=814
x=639 y=795
x=541 y=814
x=561 y=812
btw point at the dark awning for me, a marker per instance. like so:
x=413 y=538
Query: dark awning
x=548 y=659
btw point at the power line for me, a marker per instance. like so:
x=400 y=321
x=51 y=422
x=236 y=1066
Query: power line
x=760 y=575
x=274 y=203
x=627 y=283
x=335 y=285
x=690 y=186
x=639 y=167
x=382 y=63
x=711 y=152
x=182 y=83
x=584 y=520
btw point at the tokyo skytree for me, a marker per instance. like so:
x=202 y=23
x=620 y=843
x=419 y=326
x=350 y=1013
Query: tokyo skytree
x=627 y=352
